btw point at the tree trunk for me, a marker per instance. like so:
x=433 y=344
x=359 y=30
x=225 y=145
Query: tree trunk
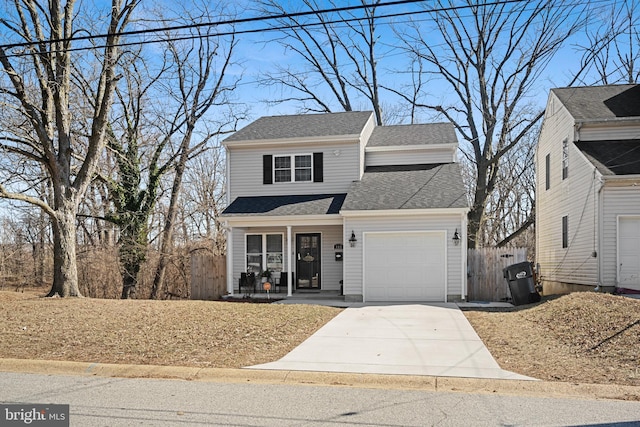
x=132 y=254
x=167 y=233
x=130 y=280
x=65 y=269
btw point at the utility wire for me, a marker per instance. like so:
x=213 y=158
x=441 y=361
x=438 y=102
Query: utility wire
x=242 y=21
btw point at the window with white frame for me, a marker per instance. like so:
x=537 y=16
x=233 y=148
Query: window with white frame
x=296 y=168
x=565 y=159
x=264 y=250
x=292 y=168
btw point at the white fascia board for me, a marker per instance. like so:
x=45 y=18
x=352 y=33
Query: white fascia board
x=430 y=147
x=282 y=221
x=316 y=140
x=404 y=212
x=608 y=121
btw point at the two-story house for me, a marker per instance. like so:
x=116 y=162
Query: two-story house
x=588 y=189
x=332 y=202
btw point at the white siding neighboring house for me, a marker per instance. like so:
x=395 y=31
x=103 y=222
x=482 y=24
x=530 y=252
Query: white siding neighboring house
x=301 y=187
x=588 y=190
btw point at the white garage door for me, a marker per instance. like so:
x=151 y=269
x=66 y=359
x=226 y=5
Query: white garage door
x=404 y=266
x=629 y=252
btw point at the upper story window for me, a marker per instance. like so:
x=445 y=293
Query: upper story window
x=565 y=159
x=292 y=168
x=282 y=169
x=300 y=172
x=303 y=168
x=547 y=172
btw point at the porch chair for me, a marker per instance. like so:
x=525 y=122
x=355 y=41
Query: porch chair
x=284 y=277
x=247 y=282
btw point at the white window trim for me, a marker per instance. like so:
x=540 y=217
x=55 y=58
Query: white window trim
x=293 y=167
x=264 y=248
x=565 y=159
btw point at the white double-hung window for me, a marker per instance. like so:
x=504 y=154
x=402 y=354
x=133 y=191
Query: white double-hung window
x=293 y=168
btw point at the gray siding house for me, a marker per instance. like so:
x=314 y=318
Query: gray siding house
x=332 y=202
x=588 y=189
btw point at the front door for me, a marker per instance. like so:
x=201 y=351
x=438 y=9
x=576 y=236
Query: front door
x=308 y=261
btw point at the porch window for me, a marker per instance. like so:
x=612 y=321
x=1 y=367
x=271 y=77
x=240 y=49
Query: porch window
x=264 y=250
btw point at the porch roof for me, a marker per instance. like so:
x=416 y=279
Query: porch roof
x=429 y=186
x=313 y=204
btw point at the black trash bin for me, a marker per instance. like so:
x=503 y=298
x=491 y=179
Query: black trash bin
x=521 y=283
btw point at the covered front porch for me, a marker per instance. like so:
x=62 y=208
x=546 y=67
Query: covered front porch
x=302 y=258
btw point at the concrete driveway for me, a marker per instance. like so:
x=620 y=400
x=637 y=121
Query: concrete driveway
x=411 y=339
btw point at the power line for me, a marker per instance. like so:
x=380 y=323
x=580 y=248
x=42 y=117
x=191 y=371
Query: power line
x=213 y=24
x=241 y=21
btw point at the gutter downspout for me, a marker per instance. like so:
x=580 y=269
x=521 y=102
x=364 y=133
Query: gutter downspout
x=229 y=231
x=289 y=272
x=599 y=225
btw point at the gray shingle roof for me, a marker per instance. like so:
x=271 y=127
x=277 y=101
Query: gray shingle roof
x=303 y=126
x=316 y=204
x=432 y=133
x=408 y=187
x=621 y=157
x=601 y=102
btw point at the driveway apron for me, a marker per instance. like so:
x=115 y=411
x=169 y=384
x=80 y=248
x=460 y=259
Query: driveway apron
x=406 y=339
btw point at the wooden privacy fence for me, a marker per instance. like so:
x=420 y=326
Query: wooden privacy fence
x=208 y=275
x=486 y=281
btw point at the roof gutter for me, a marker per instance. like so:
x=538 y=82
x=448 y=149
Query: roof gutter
x=403 y=212
x=281 y=221
x=415 y=147
x=332 y=139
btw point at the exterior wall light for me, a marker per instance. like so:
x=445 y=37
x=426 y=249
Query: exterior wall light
x=353 y=240
x=456 y=238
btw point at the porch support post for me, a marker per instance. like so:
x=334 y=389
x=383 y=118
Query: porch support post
x=230 y=260
x=289 y=272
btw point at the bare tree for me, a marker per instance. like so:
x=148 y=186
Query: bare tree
x=205 y=197
x=614 y=44
x=36 y=85
x=489 y=59
x=202 y=83
x=338 y=57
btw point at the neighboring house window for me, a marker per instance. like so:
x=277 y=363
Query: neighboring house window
x=547 y=171
x=565 y=231
x=264 y=250
x=292 y=168
x=565 y=159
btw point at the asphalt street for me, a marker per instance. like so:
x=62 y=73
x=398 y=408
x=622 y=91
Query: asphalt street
x=104 y=401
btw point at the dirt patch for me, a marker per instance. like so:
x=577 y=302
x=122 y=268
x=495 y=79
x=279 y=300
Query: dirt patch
x=583 y=337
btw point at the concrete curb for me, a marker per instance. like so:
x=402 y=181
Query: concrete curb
x=410 y=382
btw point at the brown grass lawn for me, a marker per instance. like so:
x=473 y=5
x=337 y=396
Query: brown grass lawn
x=184 y=333
x=582 y=337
